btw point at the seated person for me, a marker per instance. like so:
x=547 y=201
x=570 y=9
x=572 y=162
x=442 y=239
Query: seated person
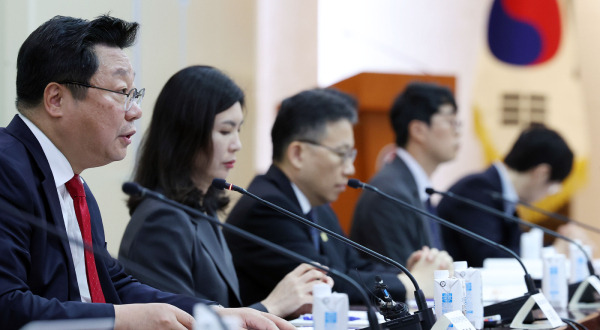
x=313 y=155
x=423 y=118
x=77 y=107
x=536 y=164
x=193 y=138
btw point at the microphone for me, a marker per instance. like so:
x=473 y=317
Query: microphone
x=424 y=315
x=507 y=309
x=134 y=189
x=586 y=295
x=387 y=306
x=498 y=196
x=495 y=212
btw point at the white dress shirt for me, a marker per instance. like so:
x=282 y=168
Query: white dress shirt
x=302 y=199
x=63 y=172
x=508 y=190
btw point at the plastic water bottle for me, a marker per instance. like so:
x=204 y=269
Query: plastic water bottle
x=330 y=310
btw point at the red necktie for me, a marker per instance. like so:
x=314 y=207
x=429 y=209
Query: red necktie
x=75 y=188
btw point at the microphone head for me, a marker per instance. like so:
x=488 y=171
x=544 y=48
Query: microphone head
x=220 y=183
x=429 y=191
x=354 y=183
x=132 y=189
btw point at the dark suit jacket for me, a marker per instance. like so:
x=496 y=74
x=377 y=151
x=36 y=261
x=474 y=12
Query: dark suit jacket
x=259 y=269
x=167 y=248
x=385 y=226
x=495 y=228
x=37 y=277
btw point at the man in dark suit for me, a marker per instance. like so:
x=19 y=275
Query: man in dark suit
x=423 y=118
x=77 y=106
x=313 y=155
x=536 y=165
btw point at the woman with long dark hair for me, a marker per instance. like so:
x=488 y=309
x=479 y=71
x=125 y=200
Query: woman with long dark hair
x=193 y=138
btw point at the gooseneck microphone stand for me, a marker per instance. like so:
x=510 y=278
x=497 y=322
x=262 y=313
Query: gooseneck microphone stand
x=423 y=318
x=508 y=309
x=579 y=292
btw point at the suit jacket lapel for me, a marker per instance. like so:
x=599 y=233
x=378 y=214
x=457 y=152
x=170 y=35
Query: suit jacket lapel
x=328 y=219
x=19 y=130
x=411 y=185
x=220 y=254
x=284 y=185
x=101 y=256
x=408 y=181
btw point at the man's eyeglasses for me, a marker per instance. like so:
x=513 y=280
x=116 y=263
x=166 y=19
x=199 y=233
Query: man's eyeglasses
x=134 y=96
x=345 y=155
x=451 y=120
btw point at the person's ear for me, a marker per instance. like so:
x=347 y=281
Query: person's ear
x=417 y=131
x=296 y=154
x=53 y=99
x=541 y=173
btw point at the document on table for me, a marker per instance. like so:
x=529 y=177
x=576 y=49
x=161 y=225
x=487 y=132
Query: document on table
x=356 y=320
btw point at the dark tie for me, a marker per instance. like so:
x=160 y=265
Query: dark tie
x=75 y=188
x=314 y=232
x=434 y=227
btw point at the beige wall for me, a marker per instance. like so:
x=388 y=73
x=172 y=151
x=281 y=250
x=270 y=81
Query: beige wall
x=585 y=202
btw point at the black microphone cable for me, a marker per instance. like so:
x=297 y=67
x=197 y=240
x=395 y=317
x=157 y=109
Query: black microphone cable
x=574 y=324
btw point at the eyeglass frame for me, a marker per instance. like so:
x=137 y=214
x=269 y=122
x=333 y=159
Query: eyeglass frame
x=454 y=122
x=345 y=156
x=132 y=95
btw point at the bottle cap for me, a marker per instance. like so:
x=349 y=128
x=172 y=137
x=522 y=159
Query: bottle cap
x=321 y=289
x=441 y=274
x=460 y=265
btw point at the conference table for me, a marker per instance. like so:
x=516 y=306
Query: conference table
x=589 y=317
